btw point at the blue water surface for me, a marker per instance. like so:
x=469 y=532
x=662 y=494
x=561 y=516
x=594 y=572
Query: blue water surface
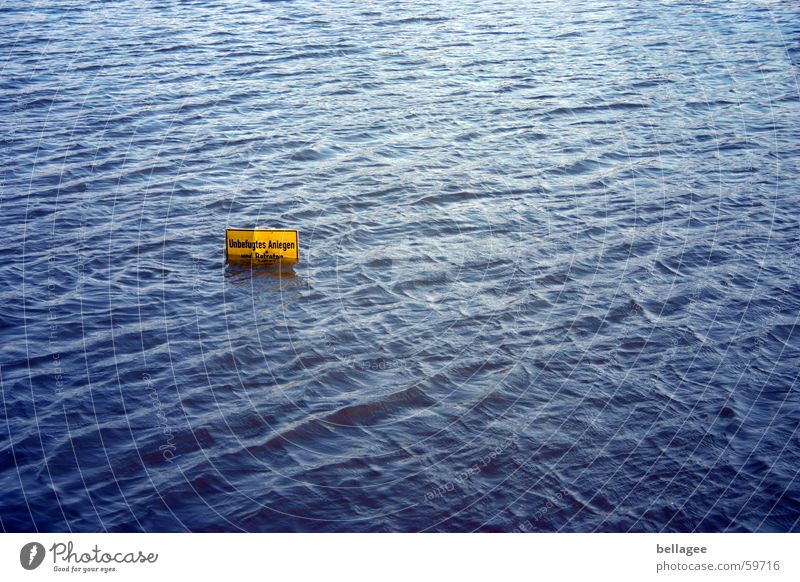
x=548 y=277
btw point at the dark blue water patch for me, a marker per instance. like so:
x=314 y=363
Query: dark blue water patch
x=547 y=280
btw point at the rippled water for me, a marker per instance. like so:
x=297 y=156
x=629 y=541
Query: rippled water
x=549 y=276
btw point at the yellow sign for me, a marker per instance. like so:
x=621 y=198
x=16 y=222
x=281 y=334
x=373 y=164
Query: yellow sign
x=261 y=244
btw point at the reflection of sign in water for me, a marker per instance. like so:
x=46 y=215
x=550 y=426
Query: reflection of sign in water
x=261 y=244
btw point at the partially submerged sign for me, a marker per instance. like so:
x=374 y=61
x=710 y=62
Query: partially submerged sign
x=262 y=244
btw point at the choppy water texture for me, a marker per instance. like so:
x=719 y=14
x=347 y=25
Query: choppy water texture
x=548 y=278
